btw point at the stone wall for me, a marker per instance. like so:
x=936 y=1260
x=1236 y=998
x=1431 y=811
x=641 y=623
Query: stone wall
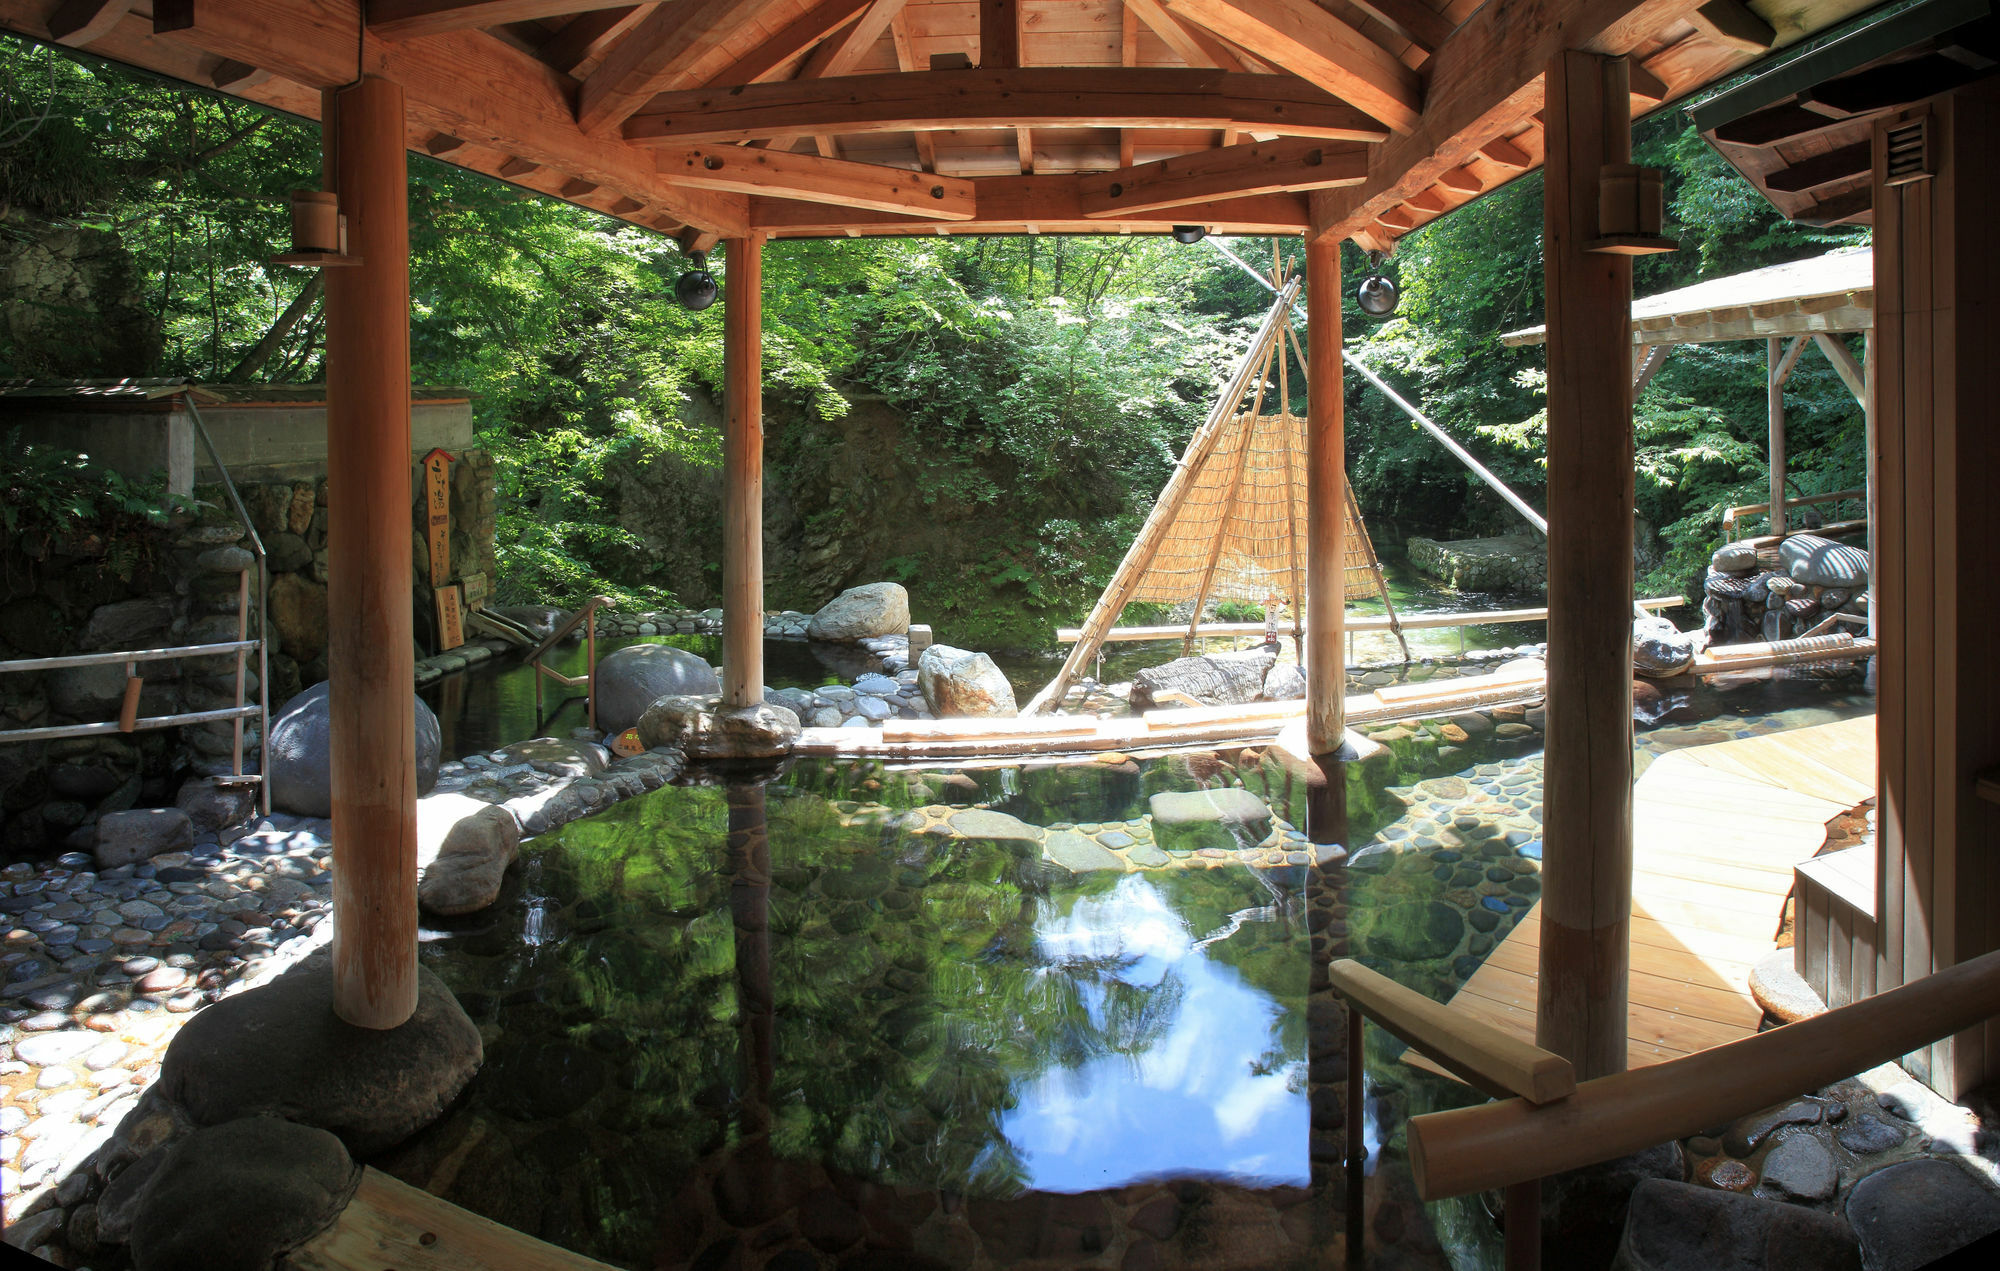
x=177 y=585
x=1513 y=562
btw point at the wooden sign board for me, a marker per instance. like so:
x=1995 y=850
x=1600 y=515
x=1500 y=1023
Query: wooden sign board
x=437 y=506
x=627 y=744
x=451 y=624
x=474 y=586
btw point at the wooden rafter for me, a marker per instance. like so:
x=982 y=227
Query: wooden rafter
x=405 y=19
x=522 y=107
x=837 y=56
x=791 y=42
x=1480 y=83
x=1044 y=97
x=814 y=179
x=1301 y=37
x=1128 y=55
x=1192 y=45
x=669 y=44
x=906 y=60
x=80 y=22
x=585 y=37
x=1265 y=167
x=1414 y=20
x=1054 y=204
x=1731 y=23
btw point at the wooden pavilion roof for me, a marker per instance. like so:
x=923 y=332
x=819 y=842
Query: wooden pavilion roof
x=1830 y=293
x=714 y=118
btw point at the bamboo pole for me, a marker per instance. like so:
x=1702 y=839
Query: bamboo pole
x=370 y=658
x=1587 y=839
x=1137 y=557
x=743 y=474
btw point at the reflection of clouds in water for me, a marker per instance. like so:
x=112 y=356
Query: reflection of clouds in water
x=1195 y=1100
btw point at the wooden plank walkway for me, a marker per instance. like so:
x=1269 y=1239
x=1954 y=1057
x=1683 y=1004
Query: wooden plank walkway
x=390 y=1224
x=1716 y=832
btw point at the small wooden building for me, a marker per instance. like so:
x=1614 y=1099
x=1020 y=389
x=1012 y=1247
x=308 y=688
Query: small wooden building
x=747 y=120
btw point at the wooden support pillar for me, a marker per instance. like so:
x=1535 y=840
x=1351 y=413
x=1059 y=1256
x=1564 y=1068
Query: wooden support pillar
x=743 y=473
x=1873 y=481
x=1774 y=398
x=1326 y=545
x=1587 y=834
x=1937 y=269
x=370 y=660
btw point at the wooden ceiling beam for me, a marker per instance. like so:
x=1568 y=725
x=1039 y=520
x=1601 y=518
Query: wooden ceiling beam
x=1731 y=24
x=999 y=35
x=586 y=37
x=1128 y=55
x=1029 y=204
x=839 y=55
x=522 y=106
x=792 y=42
x=669 y=44
x=780 y=174
x=1242 y=171
x=76 y=23
x=1043 y=97
x=1481 y=82
x=407 y=19
x=906 y=60
x=1414 y=20
x=1192 y=45
x=1300 y=37
x=1854 y=160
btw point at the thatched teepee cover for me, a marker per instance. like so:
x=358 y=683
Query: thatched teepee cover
x=1240 y=532
x=1231 y=521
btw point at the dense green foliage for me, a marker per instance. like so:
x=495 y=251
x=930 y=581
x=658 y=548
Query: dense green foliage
x=1044 y=386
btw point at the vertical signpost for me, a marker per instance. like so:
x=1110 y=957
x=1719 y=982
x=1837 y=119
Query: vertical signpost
x=437 y=504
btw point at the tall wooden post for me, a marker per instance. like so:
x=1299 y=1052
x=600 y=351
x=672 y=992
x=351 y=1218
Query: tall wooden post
x=1326 y=545
x=1937 y=270
x=1587 y=837
x=370 y=660
x=1774 y=402
x=743 y=473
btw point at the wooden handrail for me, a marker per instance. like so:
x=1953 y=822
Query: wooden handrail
x=557 y=636
x=1484 y=1056
x=1500 y=1144
x=1731 y=515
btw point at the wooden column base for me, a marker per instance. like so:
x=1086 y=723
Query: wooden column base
x=1584 y=1011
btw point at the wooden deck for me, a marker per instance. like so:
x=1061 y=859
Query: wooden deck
x=1716 y=832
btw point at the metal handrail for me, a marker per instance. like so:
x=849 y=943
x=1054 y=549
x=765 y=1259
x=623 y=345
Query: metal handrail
x=133 y=655
x=242 y=617
x=583 y=615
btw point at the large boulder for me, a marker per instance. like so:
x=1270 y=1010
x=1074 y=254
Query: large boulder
x=702 y=728
x=126 y=838
x=470 y=864
x=212 y=804
x=636 y=676
x=1913 y=1213
x=1675 y=1226
x=280 y=1050
x=238 y=1196
x=860 y=613
x=1821 y=562
x=302 y=755
x=296 y=606
x=127 y=624
x=959 y=682
x=1214 y=679
x=1659 y=648
x=1735 y=558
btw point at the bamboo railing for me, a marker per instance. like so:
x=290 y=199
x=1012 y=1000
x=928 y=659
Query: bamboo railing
x=1517 y=1141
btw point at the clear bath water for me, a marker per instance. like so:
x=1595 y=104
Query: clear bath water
x=841 y=1017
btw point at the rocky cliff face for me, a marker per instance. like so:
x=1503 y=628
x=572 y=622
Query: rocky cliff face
x=75 y=307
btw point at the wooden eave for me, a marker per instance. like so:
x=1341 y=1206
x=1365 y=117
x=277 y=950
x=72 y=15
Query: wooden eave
x=1827 y=294
x=1038 y=110
x=1801 y=131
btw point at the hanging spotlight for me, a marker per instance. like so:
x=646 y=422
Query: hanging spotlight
x=696 y=289
x=1188 y=235
x=1376 y=295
